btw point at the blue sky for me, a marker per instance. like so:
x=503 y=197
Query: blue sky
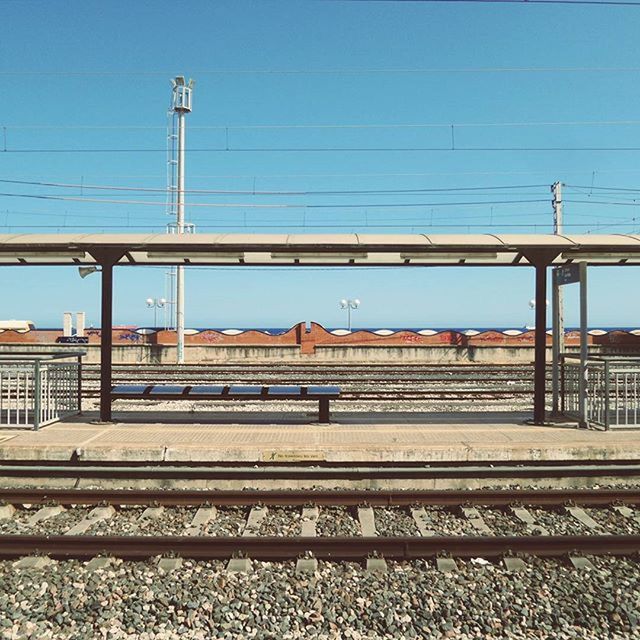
x=86 y=90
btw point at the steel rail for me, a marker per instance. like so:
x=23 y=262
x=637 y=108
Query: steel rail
x=326 y=548
x=355 y=471
x=326 y=365
x=300 y=497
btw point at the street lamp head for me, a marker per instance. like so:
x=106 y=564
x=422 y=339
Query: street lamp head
x=343 y=304
x=532 y=303
x=162 y=302
x=356 y=303
x=150 y=302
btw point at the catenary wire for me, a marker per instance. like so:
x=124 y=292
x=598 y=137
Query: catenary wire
x=165 y=190
x=269 y=206
x=447 y=149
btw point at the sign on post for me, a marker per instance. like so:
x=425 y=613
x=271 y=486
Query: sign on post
x=568 y=274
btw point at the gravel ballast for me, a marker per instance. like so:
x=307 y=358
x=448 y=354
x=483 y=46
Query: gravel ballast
x=128 y=522
x=337 y=521
x=413 y=600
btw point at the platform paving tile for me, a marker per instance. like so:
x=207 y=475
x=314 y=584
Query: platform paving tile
x=488 y=437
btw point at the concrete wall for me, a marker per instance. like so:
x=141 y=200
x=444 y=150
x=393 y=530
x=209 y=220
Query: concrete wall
x=162 y=354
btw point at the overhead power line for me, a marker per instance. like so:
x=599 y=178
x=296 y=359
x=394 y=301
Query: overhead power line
x=622 y=3
x=416 y=224
x=269 y=193
x=251 y=205
x=138 y=73
x=594 y=188
x=610 y=202
x=446 y=149
x=249 y=127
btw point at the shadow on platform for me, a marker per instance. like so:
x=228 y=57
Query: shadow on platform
x=283 y=418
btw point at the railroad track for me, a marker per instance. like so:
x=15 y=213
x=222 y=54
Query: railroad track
x=381 y=383
x=183 y=472
x=339 y=525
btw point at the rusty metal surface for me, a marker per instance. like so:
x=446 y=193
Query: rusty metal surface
x=351 y=497
x=48 y=469
x=327 y=548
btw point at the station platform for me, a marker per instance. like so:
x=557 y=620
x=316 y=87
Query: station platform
x=296 y=437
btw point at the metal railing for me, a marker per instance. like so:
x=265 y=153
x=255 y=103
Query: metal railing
x=612 y=390
x=38 y=389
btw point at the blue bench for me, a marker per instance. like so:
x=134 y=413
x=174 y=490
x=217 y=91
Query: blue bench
x=321 y=393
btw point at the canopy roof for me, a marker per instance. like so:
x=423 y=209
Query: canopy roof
x=317 y=249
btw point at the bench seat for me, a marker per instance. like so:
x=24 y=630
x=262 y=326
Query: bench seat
x=229 y=392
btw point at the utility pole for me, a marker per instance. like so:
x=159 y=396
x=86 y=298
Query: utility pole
x=181 y=105
x=557 y=305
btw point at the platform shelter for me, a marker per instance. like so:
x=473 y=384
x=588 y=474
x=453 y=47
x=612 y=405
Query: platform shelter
x=108 y=251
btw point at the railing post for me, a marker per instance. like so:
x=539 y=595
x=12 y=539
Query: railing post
x=37 y=395
x=79 y=398
x=606 y=396
x=584 y=349
x=561 y=364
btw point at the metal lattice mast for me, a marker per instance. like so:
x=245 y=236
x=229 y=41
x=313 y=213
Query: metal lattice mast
x=181 y=105
x=172 y=190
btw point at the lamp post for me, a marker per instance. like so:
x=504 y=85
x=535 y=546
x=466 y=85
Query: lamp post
x=349 y=304
x=155 y=304
x=532 y=306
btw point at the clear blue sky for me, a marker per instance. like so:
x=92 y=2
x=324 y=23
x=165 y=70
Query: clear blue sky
x=81 y=78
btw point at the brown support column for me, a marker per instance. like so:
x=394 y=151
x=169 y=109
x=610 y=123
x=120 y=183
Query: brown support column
x=106 y=341
x=539 y=396
x=106 y=258
x=323 y=412
x=540 y=259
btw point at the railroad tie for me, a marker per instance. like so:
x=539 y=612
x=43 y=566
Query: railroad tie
x=579 y=562
x=446 y=565
x=421 y=519
x=627 y=512
x=44 y=514
x=583 y=517
x=309 y=519
x=475 y=519
x=151 y=513
x=95 y=515
x=524 y=515
x=167 y=565
x=367 y=520
x=257 y=514
x=308 y=564
x=513 y=564
x=203 y=516
x=99 y=562
x=7 y=511
x=32 y=562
